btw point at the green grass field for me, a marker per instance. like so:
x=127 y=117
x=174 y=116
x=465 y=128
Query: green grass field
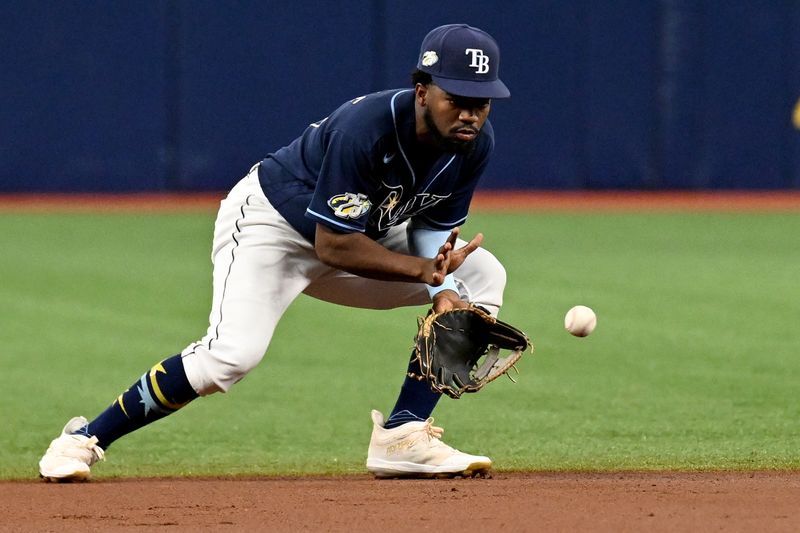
x=695 y=363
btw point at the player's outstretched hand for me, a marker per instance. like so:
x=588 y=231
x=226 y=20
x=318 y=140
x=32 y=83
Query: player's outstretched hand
x=447 y=300
x=450 y=258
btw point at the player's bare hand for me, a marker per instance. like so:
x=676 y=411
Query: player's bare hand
x=447 y=300
x=450 y=258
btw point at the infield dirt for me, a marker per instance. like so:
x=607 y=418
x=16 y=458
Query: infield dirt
x=607 y=502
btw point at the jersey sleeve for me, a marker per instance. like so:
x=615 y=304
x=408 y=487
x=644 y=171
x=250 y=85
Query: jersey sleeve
x=343 y=195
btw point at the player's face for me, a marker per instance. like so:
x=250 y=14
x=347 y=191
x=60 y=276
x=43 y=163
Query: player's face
x=451 y=122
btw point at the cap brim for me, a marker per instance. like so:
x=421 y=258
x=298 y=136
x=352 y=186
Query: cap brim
x=473 y=89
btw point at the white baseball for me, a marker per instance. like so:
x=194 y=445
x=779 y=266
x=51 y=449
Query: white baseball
x=580 y=321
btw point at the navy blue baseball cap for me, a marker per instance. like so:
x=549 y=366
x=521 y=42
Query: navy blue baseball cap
x=463 y=61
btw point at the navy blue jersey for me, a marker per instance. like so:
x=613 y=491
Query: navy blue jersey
x=362 y=169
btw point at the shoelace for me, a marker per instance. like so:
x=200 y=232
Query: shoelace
x=91 y=445
x=433 y=431
x=434 y=434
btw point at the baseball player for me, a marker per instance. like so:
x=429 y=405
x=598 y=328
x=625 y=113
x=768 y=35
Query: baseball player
x=363 y=209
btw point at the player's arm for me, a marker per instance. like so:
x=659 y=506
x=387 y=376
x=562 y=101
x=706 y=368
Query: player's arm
x=425 y=241
x=358 y=254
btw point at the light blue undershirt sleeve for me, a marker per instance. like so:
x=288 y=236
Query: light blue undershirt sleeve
x=425 y=242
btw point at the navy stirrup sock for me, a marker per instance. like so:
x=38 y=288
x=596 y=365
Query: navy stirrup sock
x=159 y=392
x=416 y=401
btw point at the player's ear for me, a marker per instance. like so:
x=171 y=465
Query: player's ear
x=421 y=93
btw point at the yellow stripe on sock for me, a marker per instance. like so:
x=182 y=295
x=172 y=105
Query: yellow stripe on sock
x=160 y=395
x=122 y=406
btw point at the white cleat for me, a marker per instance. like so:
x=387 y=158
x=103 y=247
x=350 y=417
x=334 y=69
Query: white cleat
x=69 y=456
x=414 y=450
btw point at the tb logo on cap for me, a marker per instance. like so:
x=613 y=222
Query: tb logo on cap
x=480 y=61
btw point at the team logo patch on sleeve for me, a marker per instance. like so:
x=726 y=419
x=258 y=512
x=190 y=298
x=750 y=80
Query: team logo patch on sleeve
x=350 y=205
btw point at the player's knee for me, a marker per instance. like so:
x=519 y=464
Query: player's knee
x=497 y=278
x=218 y=367
x=485 y=282
x=495 y=285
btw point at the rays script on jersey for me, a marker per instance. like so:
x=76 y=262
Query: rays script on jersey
x=391 y=211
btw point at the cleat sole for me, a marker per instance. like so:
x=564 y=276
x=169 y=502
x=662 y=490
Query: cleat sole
x=474 y=470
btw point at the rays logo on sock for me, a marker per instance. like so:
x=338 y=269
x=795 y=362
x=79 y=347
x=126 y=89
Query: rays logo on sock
x=350 y=205
x=152 y=397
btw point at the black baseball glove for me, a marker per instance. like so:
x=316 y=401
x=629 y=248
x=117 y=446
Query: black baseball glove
x=459 y=350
